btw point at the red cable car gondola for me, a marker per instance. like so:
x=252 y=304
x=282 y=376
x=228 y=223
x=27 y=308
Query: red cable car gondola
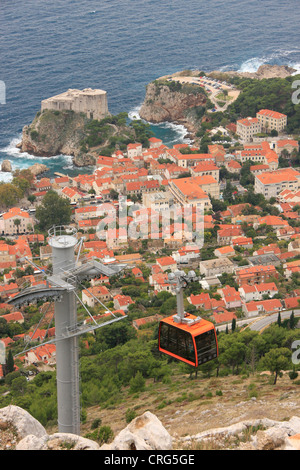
x=185 y=337
x=194 y=343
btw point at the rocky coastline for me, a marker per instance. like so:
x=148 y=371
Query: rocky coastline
x=54 y=133
x=163 y=104
x=265 y=71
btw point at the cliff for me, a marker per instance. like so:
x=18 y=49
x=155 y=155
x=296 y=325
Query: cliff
x=172 y=102
x=53 y=133
x=67 y=132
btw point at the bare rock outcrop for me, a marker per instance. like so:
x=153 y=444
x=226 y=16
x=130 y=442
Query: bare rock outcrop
x=264 y=71
x=270 y=435
x=53 y=133
x=145 y=432
x=163 y=103
x=20 y=431
x=23 y=423
x=6 y=166
x=38 y=168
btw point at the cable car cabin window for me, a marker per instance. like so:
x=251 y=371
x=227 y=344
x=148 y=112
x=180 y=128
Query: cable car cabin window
x=177 y=342
x=206 y=346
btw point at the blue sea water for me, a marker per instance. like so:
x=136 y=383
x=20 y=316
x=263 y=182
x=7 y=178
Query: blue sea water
x=121 y=45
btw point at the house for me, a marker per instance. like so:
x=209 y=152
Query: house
x=140 y=322
x=16 y=221
x=188 y=190
x=271 y=220
x=292 y=303
x=38 y=335
x=86 y=212
x=200 y=301
x=243 y=242
x=216 y=267
x=138 y=274
x=260 y=153
x=226 y=234
x=253 y=308
x=43 y=185
x=286 y=146
x=224 y=251
x=272 y=183
x=13 y=317
x=188 y=160
x=206 y=168
x=45 y=353
x=160 y=282
x=269 y=120
x=71 y=194
x=7 y=253
x=8 y=289
x=105 y=162
x=256 y=274
x=61 y=181
x=154 y=142
x=218 y=152
x=122 y=302
x=221 y=315
x=134 y=150
x=271 y=249
x=248 y=127
x=231 y=297
x=90 y=296
x=257 y=291
x=186 y=254
x=233 y=166
x=258 y=169
x=166 y=262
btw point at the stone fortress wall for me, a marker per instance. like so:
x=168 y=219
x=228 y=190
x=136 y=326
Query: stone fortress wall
x=91 y=102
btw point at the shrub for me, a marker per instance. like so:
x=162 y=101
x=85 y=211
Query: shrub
x=130 y=415
x=137 y=383
x=105 y=434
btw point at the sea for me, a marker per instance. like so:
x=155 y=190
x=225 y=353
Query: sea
x=122 y=45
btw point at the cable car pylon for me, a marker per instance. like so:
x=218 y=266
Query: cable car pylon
x=60 y=287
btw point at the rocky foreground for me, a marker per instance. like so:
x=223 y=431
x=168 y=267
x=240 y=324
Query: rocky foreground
x=20 y=431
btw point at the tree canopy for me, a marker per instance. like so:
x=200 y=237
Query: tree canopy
x=54 y=210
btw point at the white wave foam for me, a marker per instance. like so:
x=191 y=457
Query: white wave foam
x=179 y=130
x=280 y=56
x=5 y=177
x=252 y=65
x=134 y=114
x=295 y=66
x=20 y=159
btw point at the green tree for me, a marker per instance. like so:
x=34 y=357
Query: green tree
x=54 y=210
x=19 y=385
x=137 y=383
x=277 y=360
x=10 y=365
x=9 y=194
x=279 y=319
x=17 y=223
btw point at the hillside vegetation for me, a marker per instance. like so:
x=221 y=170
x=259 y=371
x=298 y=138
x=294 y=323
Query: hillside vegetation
x=122 y=373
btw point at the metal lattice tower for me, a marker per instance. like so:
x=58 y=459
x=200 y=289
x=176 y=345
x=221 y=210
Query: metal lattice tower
x=61 y=284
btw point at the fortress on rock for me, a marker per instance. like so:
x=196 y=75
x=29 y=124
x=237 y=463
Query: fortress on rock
x=91 y=102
